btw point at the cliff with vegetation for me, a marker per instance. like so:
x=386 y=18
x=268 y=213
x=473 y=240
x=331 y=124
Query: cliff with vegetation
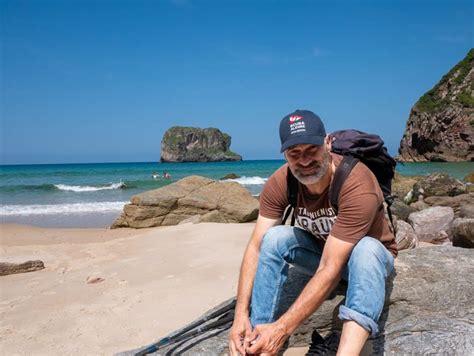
x=191 y=144
x=441 y=123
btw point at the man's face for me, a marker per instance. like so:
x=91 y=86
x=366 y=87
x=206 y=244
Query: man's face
x=308 y=163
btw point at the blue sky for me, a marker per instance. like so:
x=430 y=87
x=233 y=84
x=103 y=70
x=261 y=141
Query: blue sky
x=101 y=81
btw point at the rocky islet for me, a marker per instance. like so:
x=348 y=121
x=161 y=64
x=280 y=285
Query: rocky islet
x=192 y=144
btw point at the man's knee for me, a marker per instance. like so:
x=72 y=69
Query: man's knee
x=370 y=253
x=276 y=239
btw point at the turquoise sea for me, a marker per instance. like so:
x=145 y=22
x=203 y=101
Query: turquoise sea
x=93 y=195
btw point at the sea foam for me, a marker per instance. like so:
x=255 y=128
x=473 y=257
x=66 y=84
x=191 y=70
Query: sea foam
x=53 y=209
x=249 y=180
x=86 y=188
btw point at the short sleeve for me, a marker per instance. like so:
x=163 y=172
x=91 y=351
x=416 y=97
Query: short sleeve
x=359 y=202
x=274 y=199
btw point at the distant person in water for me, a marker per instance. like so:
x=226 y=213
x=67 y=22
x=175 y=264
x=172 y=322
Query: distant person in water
x=155 y=175
x=166 y=175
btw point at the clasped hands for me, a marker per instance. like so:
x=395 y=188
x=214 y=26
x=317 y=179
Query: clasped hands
x=264 y=339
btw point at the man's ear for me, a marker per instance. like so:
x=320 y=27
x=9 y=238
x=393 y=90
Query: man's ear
x=328 y=141
x=284 y=155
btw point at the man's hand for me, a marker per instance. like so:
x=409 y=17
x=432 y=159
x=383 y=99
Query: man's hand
x=239 y=333
x=267 y=339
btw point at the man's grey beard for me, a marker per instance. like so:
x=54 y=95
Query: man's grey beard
x=313 y=179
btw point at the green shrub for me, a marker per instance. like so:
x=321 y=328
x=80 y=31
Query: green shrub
x=430 y=101
x=466 y=99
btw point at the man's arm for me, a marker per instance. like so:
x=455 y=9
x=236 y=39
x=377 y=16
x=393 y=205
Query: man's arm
x=336 y=252
x=250 y=261
x=241 y=327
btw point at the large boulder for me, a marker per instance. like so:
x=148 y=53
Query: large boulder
x=440 y=124
x=453 y=202
x=428 y=309
x=192 y=144
x=463 y=233
x=432 y=224
x=438 y=184
x=197 y=198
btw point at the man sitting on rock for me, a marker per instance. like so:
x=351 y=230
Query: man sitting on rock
x=358 y=247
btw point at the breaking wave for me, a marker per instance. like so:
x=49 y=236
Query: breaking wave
x=87 y=188
x=249 y=180
x=50 y=209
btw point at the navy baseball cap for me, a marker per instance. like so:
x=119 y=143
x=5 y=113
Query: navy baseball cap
x=301 y=127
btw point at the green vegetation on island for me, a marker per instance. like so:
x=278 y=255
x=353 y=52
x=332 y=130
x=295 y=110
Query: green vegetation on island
x=192 y=144
x=432 y=101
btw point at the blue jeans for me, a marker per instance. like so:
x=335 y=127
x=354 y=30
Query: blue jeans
x=366 y=272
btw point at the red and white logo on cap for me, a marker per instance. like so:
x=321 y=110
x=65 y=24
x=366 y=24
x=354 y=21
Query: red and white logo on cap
x=295 y=118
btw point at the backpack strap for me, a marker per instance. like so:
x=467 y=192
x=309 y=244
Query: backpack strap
x=340 y=176
x=342 y=172
x=292 y=192
x=389 y=201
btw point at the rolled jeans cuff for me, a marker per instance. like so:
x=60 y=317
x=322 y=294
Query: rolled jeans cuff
x=367 y=323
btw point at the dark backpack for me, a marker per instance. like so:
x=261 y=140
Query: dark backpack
x=355 y=146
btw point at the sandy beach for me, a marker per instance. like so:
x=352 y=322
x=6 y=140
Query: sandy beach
x=154 y=281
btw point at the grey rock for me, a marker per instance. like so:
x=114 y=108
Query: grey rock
x=230 y=176
x=420 y=204
x=428 y=309
x=466 y=210
x=432 y=224
x=191 y=199
x=438 y=184
x=7 y=268
x=454 y=202
x=401 y=210
x=405 y=236
x=463 y=233
x=192 y=144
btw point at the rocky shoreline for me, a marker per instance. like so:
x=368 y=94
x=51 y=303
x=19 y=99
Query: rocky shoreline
x=435 y=209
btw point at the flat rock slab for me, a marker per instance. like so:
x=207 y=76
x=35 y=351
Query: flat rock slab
x=429 y=309
x=7 y=268
x=191 y=199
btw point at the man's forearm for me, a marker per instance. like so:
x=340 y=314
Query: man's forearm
x=310 y=299
x=248 y=268
x=246 y=279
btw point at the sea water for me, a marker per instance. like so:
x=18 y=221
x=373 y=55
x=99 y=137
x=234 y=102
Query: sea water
x=93 y=195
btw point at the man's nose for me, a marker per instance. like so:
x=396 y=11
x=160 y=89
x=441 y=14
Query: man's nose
x=305 y=160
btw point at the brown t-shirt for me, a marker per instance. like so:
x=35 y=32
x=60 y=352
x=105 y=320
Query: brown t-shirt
x=360 y=213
